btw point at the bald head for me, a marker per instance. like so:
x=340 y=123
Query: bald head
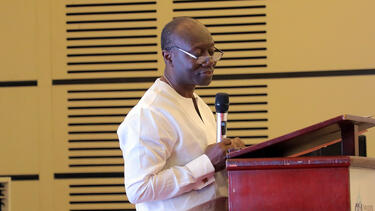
x=180 y=27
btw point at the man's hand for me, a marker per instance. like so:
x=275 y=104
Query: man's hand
x=217 y=152
x=237 y=144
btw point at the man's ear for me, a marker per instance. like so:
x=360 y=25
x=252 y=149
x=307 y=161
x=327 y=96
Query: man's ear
x=167 y=57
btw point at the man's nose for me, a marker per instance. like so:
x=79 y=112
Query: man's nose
x=208 y=61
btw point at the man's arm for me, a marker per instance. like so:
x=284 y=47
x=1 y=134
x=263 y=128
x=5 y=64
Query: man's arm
x=147 y=142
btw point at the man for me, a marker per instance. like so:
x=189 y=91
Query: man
x=168 y=139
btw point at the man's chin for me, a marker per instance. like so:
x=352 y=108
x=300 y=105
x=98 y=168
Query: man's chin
x=205 y=81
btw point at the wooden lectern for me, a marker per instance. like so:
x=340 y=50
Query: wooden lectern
x=278 y=175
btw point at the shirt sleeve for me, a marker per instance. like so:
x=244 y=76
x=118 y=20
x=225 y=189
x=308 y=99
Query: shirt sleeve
x=147 y=140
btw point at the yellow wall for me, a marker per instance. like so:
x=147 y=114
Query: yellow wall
x=36 y=131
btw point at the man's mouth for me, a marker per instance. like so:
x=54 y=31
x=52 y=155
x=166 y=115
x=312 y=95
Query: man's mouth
x=207 y=72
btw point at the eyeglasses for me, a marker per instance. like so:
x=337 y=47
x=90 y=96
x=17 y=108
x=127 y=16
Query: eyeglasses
x=216 y=56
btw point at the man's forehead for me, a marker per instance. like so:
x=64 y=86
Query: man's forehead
x=191 y=33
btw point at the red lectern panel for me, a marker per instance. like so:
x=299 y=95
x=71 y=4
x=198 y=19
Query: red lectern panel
x=309 y=183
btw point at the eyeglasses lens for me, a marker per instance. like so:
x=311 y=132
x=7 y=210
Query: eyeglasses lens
x=216 y=57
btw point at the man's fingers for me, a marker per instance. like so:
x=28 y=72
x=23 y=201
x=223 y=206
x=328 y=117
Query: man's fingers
x=232 y=144
x=237 y=143
x=227 y=141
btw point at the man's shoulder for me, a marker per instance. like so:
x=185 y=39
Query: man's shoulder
x=157 y=96
x=154 y=101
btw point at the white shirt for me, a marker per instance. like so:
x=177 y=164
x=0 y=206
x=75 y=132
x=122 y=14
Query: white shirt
x=163 y=140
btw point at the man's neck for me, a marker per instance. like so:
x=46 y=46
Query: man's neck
x=184 y=91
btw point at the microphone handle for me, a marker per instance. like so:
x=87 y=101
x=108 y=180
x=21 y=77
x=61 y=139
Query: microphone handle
x=221 y=124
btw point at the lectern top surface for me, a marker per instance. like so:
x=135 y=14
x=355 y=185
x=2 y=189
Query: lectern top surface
x=311 y=137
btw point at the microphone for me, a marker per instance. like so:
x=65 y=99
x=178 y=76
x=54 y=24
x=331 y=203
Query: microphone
x=221 y=106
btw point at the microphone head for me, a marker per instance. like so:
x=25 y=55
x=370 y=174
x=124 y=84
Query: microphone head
x=221 y=102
